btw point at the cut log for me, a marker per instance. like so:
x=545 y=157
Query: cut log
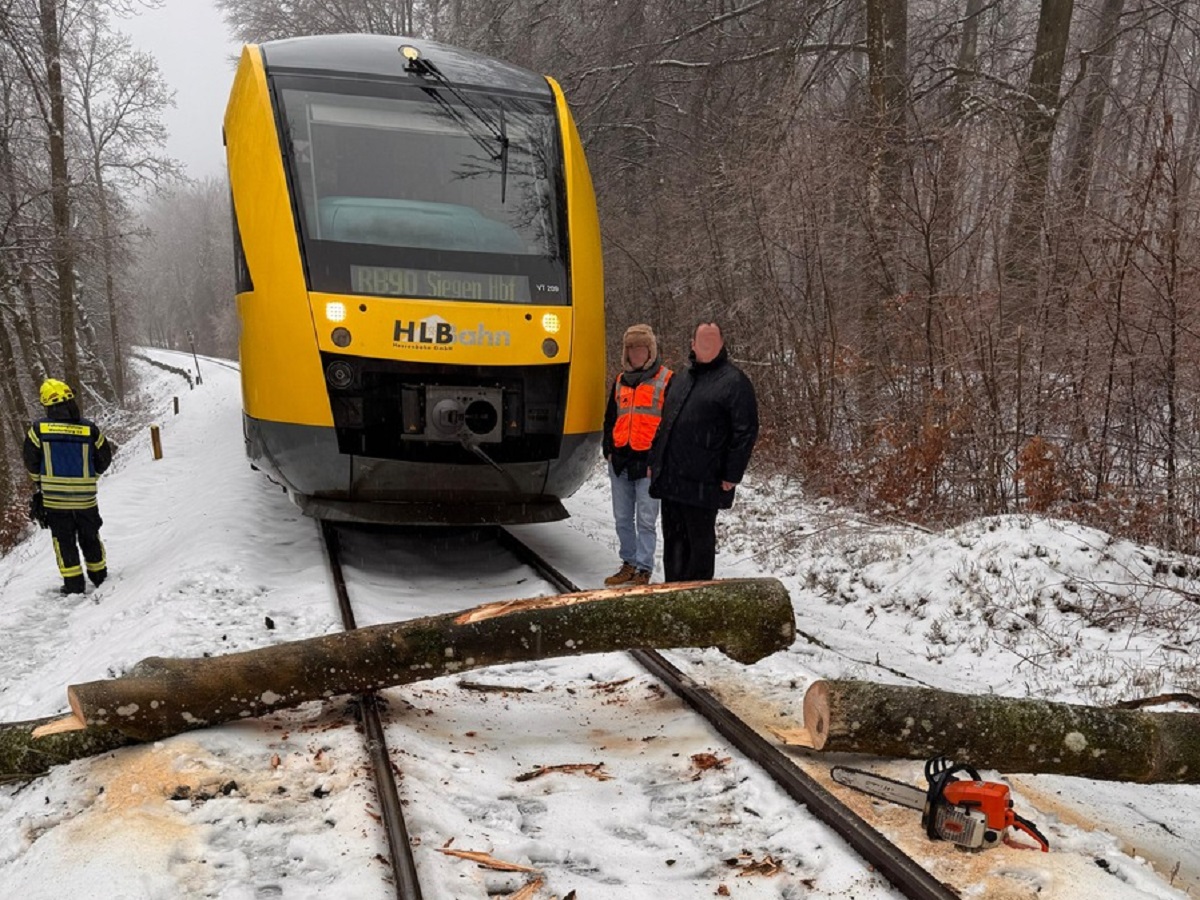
x=746 y=619
x=22 y=757
x=1003 y=733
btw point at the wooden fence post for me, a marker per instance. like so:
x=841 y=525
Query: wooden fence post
x=176 y=399
x=156 y=442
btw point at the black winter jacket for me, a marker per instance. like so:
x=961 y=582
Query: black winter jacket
x=710 y=423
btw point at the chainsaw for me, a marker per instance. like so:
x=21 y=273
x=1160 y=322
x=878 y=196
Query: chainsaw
x=973 y=814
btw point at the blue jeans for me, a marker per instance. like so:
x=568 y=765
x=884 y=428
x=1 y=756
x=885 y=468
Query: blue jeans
x=635 y=513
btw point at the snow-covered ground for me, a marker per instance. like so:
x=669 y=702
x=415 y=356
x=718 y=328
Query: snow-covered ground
x=648 y=802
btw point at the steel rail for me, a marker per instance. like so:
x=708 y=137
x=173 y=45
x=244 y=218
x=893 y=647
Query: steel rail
x=404 y=868
x=901 y=870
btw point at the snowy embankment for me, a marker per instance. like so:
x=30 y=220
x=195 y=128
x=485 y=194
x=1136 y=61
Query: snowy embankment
x=208 y=557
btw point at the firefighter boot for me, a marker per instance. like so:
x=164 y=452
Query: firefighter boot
x=97 y=577
x=72 y=585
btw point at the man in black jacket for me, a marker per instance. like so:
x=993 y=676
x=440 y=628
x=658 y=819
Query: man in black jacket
x=65 y=454
x=700 y=453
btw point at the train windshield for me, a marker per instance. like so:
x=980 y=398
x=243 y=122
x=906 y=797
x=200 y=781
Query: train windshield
x=417 y=193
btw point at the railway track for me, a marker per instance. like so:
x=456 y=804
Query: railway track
x=897 y=867
x=904 y=874
x=404 y=868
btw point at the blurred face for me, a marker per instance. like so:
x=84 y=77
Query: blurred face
x=707 y=343
x=638 y=356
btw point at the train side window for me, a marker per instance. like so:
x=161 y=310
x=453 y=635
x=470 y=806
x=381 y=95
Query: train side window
x=243 y=283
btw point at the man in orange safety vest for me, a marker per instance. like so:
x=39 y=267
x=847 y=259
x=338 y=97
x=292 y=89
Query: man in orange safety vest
x=631 y=420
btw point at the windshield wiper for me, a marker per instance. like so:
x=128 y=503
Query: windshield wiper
x=499 y=133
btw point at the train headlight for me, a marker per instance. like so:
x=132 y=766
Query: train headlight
x=550 y=323
x=550 y=347
x=335 y=312
x=341 y=337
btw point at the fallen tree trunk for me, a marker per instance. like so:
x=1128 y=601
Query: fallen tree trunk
x=22 y=757
x=746 y=619
x=1011 y=735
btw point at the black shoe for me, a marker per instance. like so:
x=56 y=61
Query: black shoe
x=97 y=578
x=72 y=585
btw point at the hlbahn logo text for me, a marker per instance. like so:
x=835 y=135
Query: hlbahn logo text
x=438 y=332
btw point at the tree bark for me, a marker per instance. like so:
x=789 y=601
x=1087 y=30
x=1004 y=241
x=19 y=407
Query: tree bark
x=23 y=757
x=1038 y=121
x=1012 y=735
x=746 y=619
x=60 y=199
x=1081 y=148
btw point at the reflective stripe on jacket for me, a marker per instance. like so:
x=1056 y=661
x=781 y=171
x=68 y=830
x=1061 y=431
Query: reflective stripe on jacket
x=65 y=459
x=639 y=410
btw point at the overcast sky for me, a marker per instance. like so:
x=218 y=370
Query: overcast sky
x=193 y=49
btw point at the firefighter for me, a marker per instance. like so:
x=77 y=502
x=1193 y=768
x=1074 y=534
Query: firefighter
x=65 y=455
x=630 y=421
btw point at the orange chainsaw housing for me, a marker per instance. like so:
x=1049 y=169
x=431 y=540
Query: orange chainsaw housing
x=994 y=800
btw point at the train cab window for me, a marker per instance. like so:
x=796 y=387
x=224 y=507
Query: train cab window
x=420 y=193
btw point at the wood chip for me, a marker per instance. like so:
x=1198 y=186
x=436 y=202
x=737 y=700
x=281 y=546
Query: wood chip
x=486 y=860
x=706 y=761
x=794 y=737
x=592 y=770
x=768 y=866
x=527 y=892
x=493 y=688
x=609 y=686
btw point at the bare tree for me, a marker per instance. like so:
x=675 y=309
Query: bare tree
x=254 y=21
x=121 y=97
x=183 y=277
x=1037 y=122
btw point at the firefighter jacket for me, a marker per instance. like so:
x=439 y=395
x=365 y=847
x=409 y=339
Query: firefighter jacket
x=632 y=417
x=64 y=458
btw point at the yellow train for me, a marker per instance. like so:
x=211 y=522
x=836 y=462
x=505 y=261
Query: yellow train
x=419 y=281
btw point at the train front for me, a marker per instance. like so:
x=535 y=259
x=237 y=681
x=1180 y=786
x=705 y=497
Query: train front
x=419 y=282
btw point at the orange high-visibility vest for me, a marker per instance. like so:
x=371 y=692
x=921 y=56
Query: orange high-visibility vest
x=639 y=410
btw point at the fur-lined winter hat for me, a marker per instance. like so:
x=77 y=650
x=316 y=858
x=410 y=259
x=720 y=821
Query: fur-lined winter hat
x=638 y=336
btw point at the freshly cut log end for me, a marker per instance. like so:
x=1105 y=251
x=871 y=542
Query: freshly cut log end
x=816 y=714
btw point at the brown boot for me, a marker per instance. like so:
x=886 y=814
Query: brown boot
x=641 y=576
x=623 y=575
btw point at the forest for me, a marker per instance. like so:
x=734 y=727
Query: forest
x=954 y=243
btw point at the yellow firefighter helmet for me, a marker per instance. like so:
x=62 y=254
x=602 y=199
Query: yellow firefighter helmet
x=55 y=391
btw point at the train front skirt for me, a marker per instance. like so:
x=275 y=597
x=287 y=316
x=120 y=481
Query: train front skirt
x=328 y=484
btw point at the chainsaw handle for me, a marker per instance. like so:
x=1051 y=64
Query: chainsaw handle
x=1022 y=824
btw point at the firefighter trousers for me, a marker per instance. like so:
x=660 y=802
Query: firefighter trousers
x=73 y=530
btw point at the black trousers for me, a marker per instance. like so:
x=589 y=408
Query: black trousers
x=689 y=542
x=72 y=530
